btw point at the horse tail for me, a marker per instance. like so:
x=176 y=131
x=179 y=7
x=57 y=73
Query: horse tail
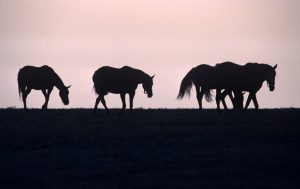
x=95 y=89
x=208 y=96
x=185 y=86
x=19 y=84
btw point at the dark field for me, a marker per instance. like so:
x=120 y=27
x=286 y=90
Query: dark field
x=150 y=149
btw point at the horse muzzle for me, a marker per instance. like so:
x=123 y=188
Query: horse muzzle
x=271 y=86
x=148 y=94
x=66 y=102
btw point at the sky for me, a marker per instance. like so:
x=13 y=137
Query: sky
x=162 y=37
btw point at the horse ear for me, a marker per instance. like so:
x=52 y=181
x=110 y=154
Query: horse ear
x=152 y=76
x=275 y=67
x=69 y=86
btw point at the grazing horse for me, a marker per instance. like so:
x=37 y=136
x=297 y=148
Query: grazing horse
x=41 y=78
x=204 y=79
x=120 y=81
x=249 y=77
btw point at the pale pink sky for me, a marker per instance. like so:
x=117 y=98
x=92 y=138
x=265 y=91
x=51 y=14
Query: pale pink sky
x=162 y=37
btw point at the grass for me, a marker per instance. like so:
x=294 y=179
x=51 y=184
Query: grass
x=158 y=148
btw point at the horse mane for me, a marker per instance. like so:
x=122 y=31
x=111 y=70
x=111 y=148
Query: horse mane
x=226 y=62
x=57 y=80
x=255 y=63
x=140 y=73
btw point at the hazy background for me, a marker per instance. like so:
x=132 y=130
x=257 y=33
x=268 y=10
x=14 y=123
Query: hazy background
x=162 y=37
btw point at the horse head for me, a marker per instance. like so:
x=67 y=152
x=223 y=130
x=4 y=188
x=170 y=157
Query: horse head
x=147 y=85
x=64 y=94
x=271 y=77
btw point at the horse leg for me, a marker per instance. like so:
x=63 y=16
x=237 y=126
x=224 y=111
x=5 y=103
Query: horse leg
x=24 y=96
x=122 y=95
x=232 y=99
x=222 y=98
x=100 y=98
x=44 y=91
x=238 y=100
x=47 y=95
x=199 y=96
x=248 y=101
x=96 y=104
x=255 y=102
x=131 y=96
x=104 y=104
x=218 y=98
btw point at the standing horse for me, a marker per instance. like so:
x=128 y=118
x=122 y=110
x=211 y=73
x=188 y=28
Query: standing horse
x=204 y=79
x=120 y=81
x=249 y=77
x=41 y=78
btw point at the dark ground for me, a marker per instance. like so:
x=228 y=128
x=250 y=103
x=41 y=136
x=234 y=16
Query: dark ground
x=150 y=149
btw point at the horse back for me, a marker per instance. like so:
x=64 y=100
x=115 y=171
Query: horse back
x=237 y=77
x=204 y=75
x=115 y=80
x=37 y=77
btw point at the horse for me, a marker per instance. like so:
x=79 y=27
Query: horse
x=249 y=78
x=204 y=79
x=121 y=81
x=41 y=78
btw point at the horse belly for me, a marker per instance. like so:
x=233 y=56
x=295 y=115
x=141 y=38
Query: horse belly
x=113 y=81
x=115 y=86
x=119 y=87
x=39 y=83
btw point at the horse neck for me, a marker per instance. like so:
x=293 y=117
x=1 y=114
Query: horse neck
x=258 y=72
x=58 y=83
x=142 y=76
x=263 y=74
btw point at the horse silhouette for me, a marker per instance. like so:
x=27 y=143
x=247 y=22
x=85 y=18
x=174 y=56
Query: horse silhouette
x=249 y=77
x=204 y=79
x=120 y=81
x=41 y=78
